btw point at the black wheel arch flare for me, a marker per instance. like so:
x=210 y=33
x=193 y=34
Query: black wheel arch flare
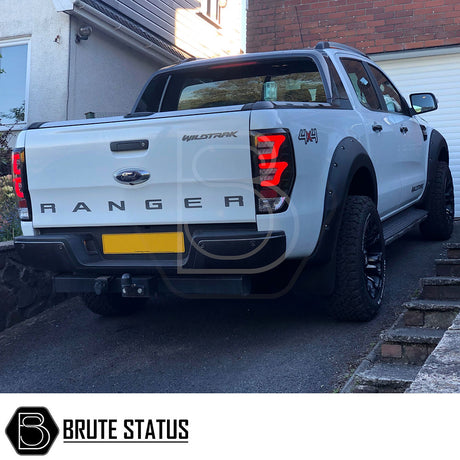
x=350 y=159
x=437 y=151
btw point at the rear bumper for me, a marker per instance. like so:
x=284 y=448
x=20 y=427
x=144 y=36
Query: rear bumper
x=207 y=252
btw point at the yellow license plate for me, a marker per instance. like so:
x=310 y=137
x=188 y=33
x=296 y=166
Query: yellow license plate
x=143 y=243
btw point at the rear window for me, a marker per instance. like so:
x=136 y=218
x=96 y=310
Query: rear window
x=242 y=83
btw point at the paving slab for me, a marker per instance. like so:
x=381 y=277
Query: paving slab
x=386 y=373
x=413 y=335
x=441 y=371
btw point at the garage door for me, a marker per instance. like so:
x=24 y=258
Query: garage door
x=439 y=74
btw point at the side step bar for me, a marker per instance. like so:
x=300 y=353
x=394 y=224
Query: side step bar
x=401 y=223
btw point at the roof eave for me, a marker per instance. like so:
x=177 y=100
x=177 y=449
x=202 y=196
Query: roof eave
x=150 y=44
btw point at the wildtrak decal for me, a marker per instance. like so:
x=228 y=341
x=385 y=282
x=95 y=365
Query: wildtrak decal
x=200 y=137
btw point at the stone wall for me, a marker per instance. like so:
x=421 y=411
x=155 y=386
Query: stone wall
x=24 y=291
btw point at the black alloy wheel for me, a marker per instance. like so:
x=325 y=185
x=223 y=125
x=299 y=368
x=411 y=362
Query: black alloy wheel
x=373 y=251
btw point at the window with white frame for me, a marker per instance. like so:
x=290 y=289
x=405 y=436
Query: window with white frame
x=211 y=8
x=13 y=81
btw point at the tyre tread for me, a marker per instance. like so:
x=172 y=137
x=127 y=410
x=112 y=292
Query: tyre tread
x=437 y=226
x=350 y=300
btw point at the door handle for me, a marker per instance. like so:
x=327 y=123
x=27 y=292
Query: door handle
x=123 y=146
x=377 y=128
x=404 y=129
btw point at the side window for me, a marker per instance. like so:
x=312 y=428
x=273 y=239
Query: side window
x=393 y=100
x=336 y=81
x=361 y=83
x=13 y=81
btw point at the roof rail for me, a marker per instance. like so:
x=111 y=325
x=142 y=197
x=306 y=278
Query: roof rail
x=340 y=46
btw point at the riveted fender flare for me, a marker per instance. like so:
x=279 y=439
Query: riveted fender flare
x=349 y=157
x=437 y=151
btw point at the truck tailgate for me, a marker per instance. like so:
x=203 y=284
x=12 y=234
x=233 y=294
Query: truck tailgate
x=199 y=167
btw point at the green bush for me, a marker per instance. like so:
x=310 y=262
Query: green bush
x=9 y=220
x=10 y=225
x=5 y=150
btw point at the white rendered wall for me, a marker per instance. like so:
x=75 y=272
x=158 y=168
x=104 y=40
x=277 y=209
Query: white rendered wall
x=106 y=75
x=48 y=32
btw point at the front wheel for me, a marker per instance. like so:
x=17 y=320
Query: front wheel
x=360 y=262
x=112 y=304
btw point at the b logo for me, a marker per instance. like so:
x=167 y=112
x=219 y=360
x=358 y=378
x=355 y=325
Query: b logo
x=32 y=430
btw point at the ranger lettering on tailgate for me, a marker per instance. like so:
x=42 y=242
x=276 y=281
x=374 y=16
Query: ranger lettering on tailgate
x=189 y=203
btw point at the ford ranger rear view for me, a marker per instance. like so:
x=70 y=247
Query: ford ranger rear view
x=236 y=176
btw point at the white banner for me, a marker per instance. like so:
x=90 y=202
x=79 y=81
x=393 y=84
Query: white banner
x=224 y=426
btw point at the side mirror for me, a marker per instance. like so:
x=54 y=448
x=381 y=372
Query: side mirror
x=423 y=102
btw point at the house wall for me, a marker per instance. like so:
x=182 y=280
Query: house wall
x=103 y=74
x=182 y=23
x=48 y=32
x=373 y=26
x=106 y=75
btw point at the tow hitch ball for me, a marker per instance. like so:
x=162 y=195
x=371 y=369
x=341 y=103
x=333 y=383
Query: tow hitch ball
x=130 y=289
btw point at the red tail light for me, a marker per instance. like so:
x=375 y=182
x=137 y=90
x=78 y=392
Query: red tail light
x=273 y=170
x=20 y=184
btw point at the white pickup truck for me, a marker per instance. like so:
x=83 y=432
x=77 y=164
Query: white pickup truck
x=231 y=177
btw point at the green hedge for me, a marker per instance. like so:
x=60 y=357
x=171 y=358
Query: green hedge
x=9 y=220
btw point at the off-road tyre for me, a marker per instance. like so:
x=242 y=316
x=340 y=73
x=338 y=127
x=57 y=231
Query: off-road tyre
x=360 y=262
x=439 y=224
x=112 y=304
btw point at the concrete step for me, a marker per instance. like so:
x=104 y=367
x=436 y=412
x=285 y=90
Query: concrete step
x=430 y=313
x=453 y=250
x=432 y=305
x=448 y=267
x=409 y=345
x=386 y=378
x=440 y=288
x=413 y=335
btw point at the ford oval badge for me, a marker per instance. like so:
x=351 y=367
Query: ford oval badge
x=131 y=176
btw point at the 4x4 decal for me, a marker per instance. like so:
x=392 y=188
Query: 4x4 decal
x=308 y=136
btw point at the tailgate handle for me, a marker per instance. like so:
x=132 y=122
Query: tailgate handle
x=123 y=146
